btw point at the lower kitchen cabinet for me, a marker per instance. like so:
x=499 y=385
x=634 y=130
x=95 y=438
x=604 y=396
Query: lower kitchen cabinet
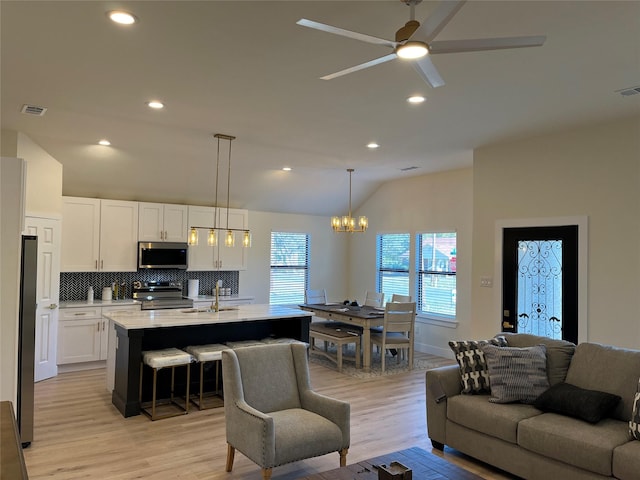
x=83 y=336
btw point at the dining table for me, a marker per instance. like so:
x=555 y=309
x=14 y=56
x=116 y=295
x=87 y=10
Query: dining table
x=360 y=316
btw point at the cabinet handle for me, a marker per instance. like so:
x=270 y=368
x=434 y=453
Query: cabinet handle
x=53 y=306
x=80 y=314
x=103 y=327
x=96 y=264
x=101 y=264
x=166 y=235
x=98 y=327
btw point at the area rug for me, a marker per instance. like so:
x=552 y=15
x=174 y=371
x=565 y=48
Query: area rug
x=421 y=361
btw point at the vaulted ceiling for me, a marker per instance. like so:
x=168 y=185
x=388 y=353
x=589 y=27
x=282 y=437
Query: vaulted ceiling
x=244 y=68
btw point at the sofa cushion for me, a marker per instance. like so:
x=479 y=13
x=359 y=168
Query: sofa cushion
x=473 y=367
x=476 y=413
x=559 y=353
x=566 y=399
x=634 y=423
x=608 y=369
x=626 y=461
x=516 y=374
x=569 y=440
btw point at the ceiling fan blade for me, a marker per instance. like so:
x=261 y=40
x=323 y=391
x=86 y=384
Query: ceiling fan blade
x=456 y=46
x=346 y=33
x=428 y=71
x=362 y=66
x=437 y=20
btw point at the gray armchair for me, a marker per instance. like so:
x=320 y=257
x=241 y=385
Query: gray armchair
x=272 y=415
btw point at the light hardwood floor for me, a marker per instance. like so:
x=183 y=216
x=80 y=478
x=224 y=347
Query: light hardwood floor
x=80 y=435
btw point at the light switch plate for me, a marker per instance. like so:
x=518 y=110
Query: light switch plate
x=486 y=282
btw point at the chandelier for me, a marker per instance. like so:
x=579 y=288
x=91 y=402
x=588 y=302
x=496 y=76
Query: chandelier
x=347 y=223
x=229 y=233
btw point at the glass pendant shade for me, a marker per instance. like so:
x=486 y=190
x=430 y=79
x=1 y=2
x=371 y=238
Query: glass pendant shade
x=229 y=239
x=193 y=236
x=246 y=239
x=212 y=238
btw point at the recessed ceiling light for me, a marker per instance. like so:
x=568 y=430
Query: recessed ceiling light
x=155 y=104
x=286 y=169
x=104 y=142
x=372 y=145
x=122 y=17
x=416 y=99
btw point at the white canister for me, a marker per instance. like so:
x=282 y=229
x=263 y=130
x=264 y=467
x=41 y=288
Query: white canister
x=193 y=289
x=90 y=295
x=107 y=295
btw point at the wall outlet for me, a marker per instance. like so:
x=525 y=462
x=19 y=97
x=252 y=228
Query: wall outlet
x=486 y=282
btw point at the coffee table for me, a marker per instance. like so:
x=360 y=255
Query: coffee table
x=424 y=466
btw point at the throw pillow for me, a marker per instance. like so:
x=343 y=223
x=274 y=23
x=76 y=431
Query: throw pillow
x=516 y=374
x=473 y=367
x=634 y=423
x=566 y=399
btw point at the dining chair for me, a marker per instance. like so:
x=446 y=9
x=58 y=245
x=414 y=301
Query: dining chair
x=272 y=414
x=315 y=297
x=400 y=298
x=374 y=299
x=397 y=330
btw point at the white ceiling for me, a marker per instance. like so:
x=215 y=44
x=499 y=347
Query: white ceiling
x=246 y=69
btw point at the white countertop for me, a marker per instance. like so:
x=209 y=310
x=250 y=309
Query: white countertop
x=221 y=298
x=191 y=316
x=98 y=303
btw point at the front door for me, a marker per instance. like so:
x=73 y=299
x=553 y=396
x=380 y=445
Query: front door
x=540 y=281
x=48 y=292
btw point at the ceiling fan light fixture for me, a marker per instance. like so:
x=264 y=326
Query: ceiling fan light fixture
x=412 y=50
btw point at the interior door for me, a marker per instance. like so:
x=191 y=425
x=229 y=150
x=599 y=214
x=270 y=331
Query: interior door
x=47 y=295
x=540 y=281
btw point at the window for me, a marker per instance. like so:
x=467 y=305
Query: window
x=289 y=268
x=436 y=269
x=392 y=265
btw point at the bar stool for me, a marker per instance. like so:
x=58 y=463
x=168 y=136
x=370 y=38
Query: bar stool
x=157 y=360
x=204 y=354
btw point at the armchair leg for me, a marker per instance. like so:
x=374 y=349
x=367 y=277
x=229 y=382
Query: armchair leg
x=231 y=450
x=343 y=457
x=266 y=473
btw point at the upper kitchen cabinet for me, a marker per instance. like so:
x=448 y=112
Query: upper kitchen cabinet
x=160 y=222
x=205 y=257
x=99 y=235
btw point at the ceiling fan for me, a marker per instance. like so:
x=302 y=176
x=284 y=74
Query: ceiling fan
x=414 y=41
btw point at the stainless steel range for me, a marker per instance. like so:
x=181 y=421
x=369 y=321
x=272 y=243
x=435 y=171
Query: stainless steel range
x=158 y=295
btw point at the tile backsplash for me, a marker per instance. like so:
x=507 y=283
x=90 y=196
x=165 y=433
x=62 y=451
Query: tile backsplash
x=74 y=285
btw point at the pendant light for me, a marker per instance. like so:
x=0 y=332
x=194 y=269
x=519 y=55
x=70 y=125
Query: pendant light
x=229 y=237
x=347 y=223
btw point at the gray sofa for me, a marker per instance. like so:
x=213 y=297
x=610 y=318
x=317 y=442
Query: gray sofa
x=530 y=443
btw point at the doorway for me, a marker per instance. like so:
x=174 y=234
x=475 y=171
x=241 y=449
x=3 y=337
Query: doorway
x=540 y=281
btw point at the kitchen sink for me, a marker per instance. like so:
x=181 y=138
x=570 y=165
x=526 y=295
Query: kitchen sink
x=208 y=310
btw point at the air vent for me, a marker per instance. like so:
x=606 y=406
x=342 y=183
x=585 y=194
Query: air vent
x=33 y=110
x=406 y=169
x=626 y=92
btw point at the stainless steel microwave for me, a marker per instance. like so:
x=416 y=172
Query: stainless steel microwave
x=162 y=255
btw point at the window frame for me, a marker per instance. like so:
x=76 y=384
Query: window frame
x=380 y=270
x=304 y=266
x=419 y=272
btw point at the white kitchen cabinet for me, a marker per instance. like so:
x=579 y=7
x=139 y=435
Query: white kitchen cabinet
x=79 y=335
x=99 y=235
x=160 y=222
x=205 y=257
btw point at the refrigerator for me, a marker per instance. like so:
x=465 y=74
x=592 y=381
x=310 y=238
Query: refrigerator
x=27 y=337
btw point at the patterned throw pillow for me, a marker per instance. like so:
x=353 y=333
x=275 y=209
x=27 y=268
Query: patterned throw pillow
x=634 y=423
x=517 y=374
x=473 y=367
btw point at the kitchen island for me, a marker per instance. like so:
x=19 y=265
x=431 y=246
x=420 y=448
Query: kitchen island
x=155 y=329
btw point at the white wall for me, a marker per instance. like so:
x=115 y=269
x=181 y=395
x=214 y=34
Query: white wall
x=435 y=202
x=328 y=253
x=11 y=213
x=592 y=171
x=44 y=179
